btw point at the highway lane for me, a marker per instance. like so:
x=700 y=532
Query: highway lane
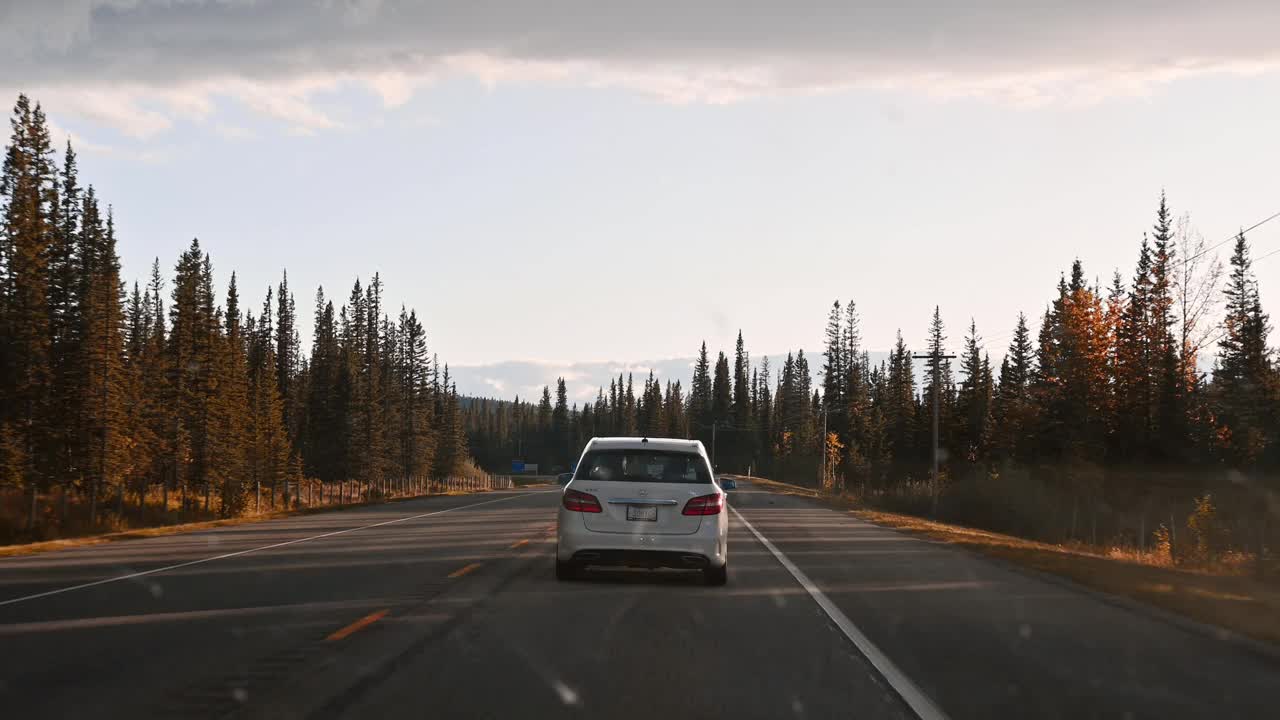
x=201 y=633
x=983 y=639
x=408 y=610
x=639 y=644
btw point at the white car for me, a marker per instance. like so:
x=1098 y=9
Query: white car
x=643 y=502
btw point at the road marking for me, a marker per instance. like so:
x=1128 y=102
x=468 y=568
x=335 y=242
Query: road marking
x=464 y=570
x=915 y=698
x=226 y=556
x=519 y=543
x=363 y=622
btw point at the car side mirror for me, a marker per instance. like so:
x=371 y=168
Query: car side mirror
x=728 y=484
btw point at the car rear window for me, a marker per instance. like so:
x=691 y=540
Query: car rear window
x=643 y=466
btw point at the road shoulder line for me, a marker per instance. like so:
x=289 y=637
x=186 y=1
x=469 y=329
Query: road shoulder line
x=911 y=694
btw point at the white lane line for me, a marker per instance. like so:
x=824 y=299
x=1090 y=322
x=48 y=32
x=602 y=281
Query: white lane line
x=915 y=698
x=225 y=556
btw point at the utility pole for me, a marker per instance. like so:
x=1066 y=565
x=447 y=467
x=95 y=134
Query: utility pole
x=714 y=425
x=937 y=358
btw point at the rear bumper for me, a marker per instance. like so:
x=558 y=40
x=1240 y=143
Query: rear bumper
x=708 y=547
x=642 y=558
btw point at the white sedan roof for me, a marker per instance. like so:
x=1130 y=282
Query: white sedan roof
x=635 y=443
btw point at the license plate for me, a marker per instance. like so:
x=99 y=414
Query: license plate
x=642 y=512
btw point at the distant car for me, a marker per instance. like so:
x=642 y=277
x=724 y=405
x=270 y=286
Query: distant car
x=563 y=478
x=643 y=502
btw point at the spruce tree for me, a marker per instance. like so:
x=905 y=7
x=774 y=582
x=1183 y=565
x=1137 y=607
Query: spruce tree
x=1244 y=382
x=629 y=428
x=65 y=322
x=27 y=205
x=741 y=438
x=973 y=401
x=721 y=398
x=287 y=353
x=764 y=415
x=700 y=397
x=102 y=319
x=1014 y=407
x=560 y=426
x=937 y=369
x=234 y=410
x=834 y=373
x=1168 y=419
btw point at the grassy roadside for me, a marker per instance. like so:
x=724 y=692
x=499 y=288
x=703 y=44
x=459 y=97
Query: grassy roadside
x=1233 y=601
x=178 y=528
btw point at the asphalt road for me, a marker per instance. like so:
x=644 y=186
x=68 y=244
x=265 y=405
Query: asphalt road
x=448 y=607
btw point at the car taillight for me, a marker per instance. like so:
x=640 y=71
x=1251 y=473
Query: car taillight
x=580 y=502
x=705 y=505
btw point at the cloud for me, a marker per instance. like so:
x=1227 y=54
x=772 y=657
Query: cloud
x=233 y=132
x=138 y=64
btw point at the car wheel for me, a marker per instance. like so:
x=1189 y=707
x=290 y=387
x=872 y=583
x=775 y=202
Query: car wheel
x=717 y=575
x=566 y=571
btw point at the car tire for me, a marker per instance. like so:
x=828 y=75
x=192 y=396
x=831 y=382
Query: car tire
x=566 y=571
x=716 y=576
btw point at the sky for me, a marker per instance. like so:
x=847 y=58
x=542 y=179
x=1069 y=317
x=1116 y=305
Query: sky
x=573 y=187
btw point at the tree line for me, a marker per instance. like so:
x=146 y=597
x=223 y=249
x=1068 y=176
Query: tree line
x=745 y=419
x=110 y=395
x=1103 y=421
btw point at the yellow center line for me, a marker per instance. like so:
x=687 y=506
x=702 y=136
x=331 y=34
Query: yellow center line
x=519 y=543
x=464 y=570
x=363 y=622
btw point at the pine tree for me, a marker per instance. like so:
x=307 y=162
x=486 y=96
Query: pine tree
x=899 y=403
x=937 y=370
x=1244 y=383
x=764 y=415
x=102 y=346
x=65 y=307
x=741 y=444
x=372 y=366
x=721 y=399
x=805 y=413
x=28 y=198
x=1014 y=406
x=854 y=425
x=973 y=401
x=1168 y=418
x=159 y=413
x=677 y=424
x=287 y=354
x=417 y=445
x=270 y=457
x=188 y=362
x=234 y=410
x=1077 y=407
x=356 y=379
x=834 y=372
x=451 y=442
x=700 y=416
x=560 y=426
x=628 y=427
x=324 y=443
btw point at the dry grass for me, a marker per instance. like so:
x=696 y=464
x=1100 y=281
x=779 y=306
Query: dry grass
x=32 y=548
x=1226 y=597
x=62 y=544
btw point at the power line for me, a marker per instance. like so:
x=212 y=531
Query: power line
x=1251 y=228
x=1264 y=257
